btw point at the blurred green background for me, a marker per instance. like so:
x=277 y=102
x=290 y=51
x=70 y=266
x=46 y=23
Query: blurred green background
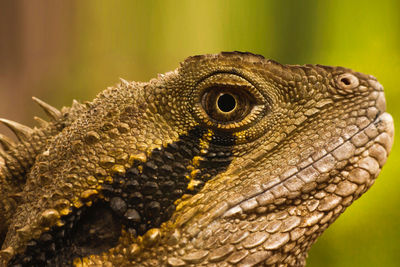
x=61 y=50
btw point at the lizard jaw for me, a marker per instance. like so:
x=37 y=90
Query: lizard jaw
x=303 y=179
x=276 y=230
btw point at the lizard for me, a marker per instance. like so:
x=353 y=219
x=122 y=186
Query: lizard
x=230 y=160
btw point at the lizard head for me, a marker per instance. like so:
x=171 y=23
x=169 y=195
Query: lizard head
x=229 y=159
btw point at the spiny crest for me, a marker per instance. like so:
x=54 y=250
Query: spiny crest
x=23 y=132
x=19 y=156
x=5 y=142
x=51 y=111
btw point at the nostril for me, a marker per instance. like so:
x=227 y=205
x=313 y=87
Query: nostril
x=345 y=80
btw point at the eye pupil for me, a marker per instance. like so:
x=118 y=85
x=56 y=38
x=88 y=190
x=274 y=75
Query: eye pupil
x=226 y=102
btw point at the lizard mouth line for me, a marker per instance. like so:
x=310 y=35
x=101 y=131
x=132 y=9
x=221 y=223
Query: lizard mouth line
x=250 y=202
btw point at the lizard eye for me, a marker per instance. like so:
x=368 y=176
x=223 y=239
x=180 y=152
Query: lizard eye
x=227 y=104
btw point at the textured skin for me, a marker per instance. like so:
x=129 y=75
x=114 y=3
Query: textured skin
x=152 y=174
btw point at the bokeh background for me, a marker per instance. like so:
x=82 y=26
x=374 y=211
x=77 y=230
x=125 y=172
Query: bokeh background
x=64 y=50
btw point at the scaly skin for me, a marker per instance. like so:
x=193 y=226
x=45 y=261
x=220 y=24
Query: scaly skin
x=229 y=160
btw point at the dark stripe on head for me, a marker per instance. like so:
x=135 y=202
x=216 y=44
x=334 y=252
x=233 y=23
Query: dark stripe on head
x=141 y=199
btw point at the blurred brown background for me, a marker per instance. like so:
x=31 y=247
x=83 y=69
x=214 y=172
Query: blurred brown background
x=61 y=50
